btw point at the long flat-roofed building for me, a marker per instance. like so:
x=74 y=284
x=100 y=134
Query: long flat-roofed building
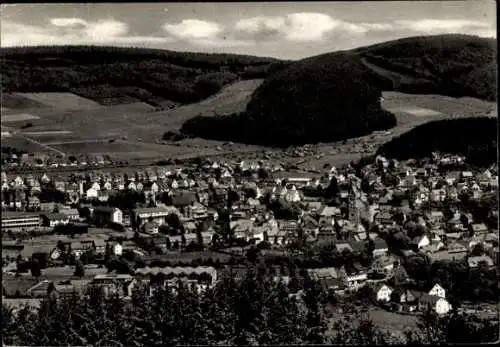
x=15 y=221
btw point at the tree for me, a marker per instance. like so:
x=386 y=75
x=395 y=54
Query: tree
x=332 y=189
x=252 y=254
x=35 y=268
x=370 y=246
x=79 y=269
x=199 y=238
x=478 y=249
x=174 y=221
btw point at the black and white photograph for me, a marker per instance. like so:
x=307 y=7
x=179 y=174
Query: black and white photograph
x=249 y=173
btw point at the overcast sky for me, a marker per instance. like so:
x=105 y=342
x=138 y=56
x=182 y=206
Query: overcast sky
x=288 y=30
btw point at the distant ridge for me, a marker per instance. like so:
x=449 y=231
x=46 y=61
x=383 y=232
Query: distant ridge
x=335 y=96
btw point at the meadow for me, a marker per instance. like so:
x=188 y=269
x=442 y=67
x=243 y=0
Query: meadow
x=133 y=132
x=59 y=101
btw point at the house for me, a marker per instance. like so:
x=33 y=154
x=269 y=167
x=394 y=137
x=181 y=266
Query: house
x=150 y=228
x=40 y=289
x=404 y=299
x=384 y=218
x=17 y=287
x=383 y=293
x=323 y=273
x=456 y=248
x=445 y=255
x=433 y=247
x=71 y=213
x=53 y=219
x=340 y=246
x=440 y=305
x=421 y=241
x=120 y=284
x=474 y=262
x=381 y=248
x=155 y=214
x=100 y=246
x=436 y=217
x=479 y=228
x=92 y=193
x=33 y=203
x=107 y=215
x=437 y=290
x=78 y=248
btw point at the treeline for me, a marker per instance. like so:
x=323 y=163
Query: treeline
x=322 y=99
x=112 y=75
x=461 y=283
x=253 y=311
x=453 y=65
x=475 y=138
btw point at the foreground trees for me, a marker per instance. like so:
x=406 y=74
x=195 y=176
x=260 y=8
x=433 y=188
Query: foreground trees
x=253 y=311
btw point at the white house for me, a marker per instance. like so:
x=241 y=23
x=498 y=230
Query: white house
x=439 y=291
x=292 y=195
x=91 y=193
x=422 y=241
x=139 y=187
x=45 y=178
x=117 y=249
x=384 y=293
x=440 y=305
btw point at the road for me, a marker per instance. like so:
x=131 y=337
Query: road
x=16 y=132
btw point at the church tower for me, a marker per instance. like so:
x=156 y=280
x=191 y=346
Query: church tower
x=353 y=208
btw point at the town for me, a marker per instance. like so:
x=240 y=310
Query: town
x=387 y=228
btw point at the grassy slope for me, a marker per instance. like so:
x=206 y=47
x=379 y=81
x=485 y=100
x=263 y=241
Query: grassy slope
x=112 y=76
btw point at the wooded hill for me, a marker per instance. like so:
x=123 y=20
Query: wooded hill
x=475 y=138
x=335 y=96
x=112 y=75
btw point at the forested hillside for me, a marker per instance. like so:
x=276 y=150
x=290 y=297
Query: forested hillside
x=328 y=98
x=336 y=96
x=452 y=65
x=111 y=75
x=475 y=138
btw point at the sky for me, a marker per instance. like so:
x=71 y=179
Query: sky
x=286 y=30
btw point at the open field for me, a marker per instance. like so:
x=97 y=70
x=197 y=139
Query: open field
x=24 y=144
x=131 y=132
x=16 y=101
x=392 y=321
x=418 y=111
x=466 y=106
x=59 y=101
x=411 y=111
x=18 y=117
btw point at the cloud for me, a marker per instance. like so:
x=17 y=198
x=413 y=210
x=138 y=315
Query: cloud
x=106 y=30
x=443 y=26
x=68 y=22
x=68 y=31
x=193 y=29
x=377 y=26
x=299 y=27
x=204 y=34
